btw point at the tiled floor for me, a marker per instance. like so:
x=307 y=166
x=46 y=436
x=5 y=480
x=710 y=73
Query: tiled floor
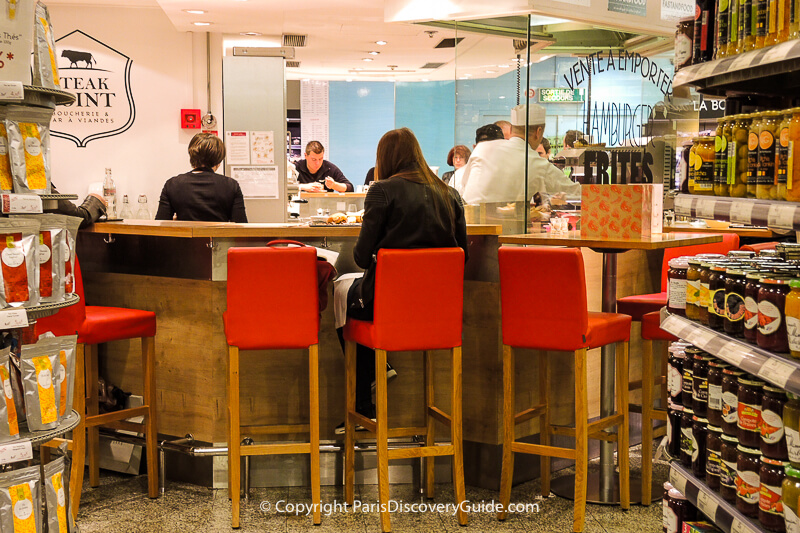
x=120 y=505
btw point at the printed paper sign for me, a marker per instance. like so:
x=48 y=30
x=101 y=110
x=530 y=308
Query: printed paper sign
x=16 y=451
x=262 y=148
x=237 y=146
x=629 y=7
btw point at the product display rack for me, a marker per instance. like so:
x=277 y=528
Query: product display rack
x=770 y=213
x=723 y=514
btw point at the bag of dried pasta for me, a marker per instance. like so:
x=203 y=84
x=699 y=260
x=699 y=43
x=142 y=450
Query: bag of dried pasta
x=9 y=425
x=20 y=501
x=45 y=69
x=39 y=364
x=19 y=262
x=28 y=131
x=65 y=347
x=51 y=253
x=56 y=486
x=6 y=177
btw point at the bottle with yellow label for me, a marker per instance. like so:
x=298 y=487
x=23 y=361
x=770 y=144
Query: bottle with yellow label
x=782 y=153
x=752 y=155
x=721 y=158
x=793 y=163
x=704 y=166
x=690 y=165
x=737 y=156
x=766 y=185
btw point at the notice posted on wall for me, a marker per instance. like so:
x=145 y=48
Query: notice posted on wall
x=257 y=182
x=262 y=148
x=629 y=7
x=237 y=146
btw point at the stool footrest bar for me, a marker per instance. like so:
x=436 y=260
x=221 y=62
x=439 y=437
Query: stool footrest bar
x=275 y=449
x=274 y=429
x=538 y=449
x=101 y=420
x=439 y=415
x=423 y=451
x=527 y=414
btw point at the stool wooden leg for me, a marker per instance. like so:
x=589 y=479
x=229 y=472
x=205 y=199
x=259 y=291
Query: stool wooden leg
x=430 y=438
x=234 y=457
x=349 y=427
x=93 y=409
x=544 y=420
x=509 y=408
x=623 y=448
x=313 y=403
x=382 y=438
x=149 y=374
x=78 y=434
x=581 y=441
x=457 y=438
x=647 y=420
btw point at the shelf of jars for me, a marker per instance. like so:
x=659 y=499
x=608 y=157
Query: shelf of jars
x=780 y=370
x=770 y=70
x=723 y=514
x=770 y=213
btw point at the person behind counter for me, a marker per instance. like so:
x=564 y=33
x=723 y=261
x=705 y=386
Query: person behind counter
x=505 y=127
x=318 y=175
x=407 y=206
x=457 y=158
x=202 y=194
x=544 y=148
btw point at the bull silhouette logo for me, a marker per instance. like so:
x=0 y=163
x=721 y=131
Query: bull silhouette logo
x=75 y=56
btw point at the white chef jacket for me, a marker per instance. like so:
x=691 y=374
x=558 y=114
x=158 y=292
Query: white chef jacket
x=495 y=170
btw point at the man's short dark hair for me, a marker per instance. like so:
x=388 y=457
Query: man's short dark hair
x=546 y=145
x=316 y=147
x=571 y=137
x=489 y=132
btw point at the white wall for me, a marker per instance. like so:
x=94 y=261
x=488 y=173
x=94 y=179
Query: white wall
x=164 y=79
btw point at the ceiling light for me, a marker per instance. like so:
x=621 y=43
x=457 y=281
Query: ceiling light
x=367 y=59
x=380 y=43
x=250 y=33
x=358 y=68
x=373 y=53
x=501 y=97
x=425 y=79
x=504 y=65
x=464 y=78
x=490 y=71
x=195 y=11
x=201 y=23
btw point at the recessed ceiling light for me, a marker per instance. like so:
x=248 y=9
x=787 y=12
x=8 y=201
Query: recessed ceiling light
x=425 y=79
x=367 y=59
x=504 y=65
x=373 y=53
x=358 y=68
x=250 y=33
x=490 y=71
x=501 y=97
x=380 y=43
x=201 y=23
x=195 y=11
x=464 y=78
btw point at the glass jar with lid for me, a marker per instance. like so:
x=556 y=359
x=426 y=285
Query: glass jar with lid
x=738 y=156
x=772 y=334
x=749 y=411
x=752 y=155
x=792 y=308
x=721 y=157
x=700 y=384
x=704 y=156
x=693 y=288
x=730 y=401
x=790 y=494
x=793 y=170
x=766 y=182
x=770 y=506
x=791 y=428
x=716 y=297
x=773 y=436
x=676 y=285
x=716 y=369
x=751 y=290
x=734 y=301
x=675 y=376
x=782 y=150
x=748 y=480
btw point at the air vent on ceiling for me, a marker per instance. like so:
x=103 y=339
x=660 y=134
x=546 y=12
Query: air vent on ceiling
x=449 y=43
x=294 y=40
x=292 y=64
x=432 y=65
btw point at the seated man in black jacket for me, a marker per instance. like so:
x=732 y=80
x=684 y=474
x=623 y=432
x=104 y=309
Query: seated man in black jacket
x=318 y=175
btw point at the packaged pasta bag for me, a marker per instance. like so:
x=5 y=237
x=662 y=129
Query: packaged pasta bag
x=72 y=223
x=56 y=485
x=16 y=39
x=28 y=131
x=45 y=69
x=20 y=501
x=6 y=178
x=39 y=364
x=19 y=262
x=9 y=425
x=65 y=347
x=51 y=252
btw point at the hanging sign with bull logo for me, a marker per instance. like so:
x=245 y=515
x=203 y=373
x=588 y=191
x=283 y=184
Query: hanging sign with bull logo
x=99 y=77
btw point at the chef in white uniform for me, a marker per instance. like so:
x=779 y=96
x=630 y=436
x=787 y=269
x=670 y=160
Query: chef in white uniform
x=495 y=170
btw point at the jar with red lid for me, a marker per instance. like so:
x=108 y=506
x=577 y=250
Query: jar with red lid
x=713 y=456
x=770 y=506
x=748 y=412
x=773 y=439
x=686 y=437
x=748 y=480
x=772 y=334
x=715 y=375
x=730 y=401
x=700 y=384
x=751 y=290
x=699 y=441
x=674 y=416
x=734 y=301
x=729 y=455
x=716 y=297
x=676 y=286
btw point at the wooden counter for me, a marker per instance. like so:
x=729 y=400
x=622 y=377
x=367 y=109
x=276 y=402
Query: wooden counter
x=760 y=233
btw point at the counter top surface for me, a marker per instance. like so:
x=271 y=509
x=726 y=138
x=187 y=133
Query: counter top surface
x=741 y=232
x=573 y=238
x=173 y=228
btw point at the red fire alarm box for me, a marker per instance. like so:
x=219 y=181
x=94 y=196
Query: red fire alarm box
x=190 y=118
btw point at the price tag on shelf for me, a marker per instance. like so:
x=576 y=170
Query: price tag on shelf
x=733 y=353
x=683 y=206
x=740 y=526
x=700 y=338
x=742 y=212
x=13 y=318
x=11 y=90
x=672 y=325
x=678 y=480
x=21 y=203
x=16 y=451
x=707 y=505
x=705 y=208
x=776 y=371
x=781 y=216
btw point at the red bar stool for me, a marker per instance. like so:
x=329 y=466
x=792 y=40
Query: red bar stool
x=422 y=315
x=96 y=325
x=651 y=331
x=267 y=312
x=556 y=276
x=758 y=247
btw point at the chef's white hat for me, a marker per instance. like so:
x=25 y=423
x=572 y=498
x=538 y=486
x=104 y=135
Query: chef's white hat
x=536 y=115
